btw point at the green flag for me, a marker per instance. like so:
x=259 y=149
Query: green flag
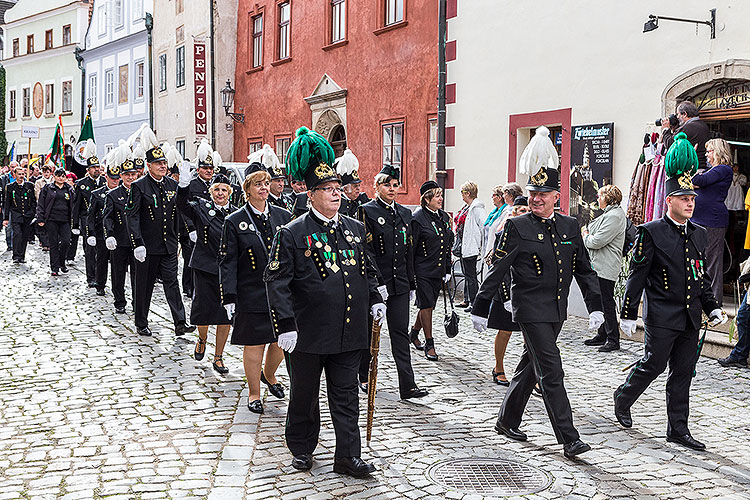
x=87 y=132
x=56 y=149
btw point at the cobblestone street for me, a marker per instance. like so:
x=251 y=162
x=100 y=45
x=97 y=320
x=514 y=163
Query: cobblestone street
x=91 y=410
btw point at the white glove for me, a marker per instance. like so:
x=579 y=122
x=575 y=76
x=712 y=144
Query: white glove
x=193 y=235
x=383 y=291
x=140 y=253
x=717 y=317
x=378 y=313
x=75 y=232
x=412 y=296
x=480 y=323
x=287 y=341
x=508 y=305
x=111 y=243
x=91 y=241
x=184 y=169
x=596 y=319
x=627 y=326
x=230 y=310
x=447 y=278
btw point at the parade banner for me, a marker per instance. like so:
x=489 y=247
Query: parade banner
x=199 y=87
x=591 y=153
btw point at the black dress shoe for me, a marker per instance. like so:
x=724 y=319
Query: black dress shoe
x=414 y=338
x=623 y=416
x=429 y=345
x=352 y=466
x=221 y=369
x=609 y=347
x=182 y=328
x=100 y=293
x=145 y=331
x=687 y=441
x=732 y=362
x=577 y=447
x=63 y=269
x=276 y=389
x=495 y=376
x=255 y=406
x=119 y=310
x=596 y=340
x=510 y=432
x=414 y=392
x=302 y=462
x=199 y=355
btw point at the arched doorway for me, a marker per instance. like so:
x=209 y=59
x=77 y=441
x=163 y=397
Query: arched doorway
x=338 y=140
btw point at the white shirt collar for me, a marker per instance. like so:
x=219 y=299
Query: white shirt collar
x=683 y=226
x=322 y=217
x=152 y=178
x=258 y=212
x=222 y=207
x=391 y=204
x=431 y=210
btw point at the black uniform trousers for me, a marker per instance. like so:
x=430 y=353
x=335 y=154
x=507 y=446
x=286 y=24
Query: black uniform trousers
x=609 y=330
x=303 y=413
x=122 y=259
x=102 y=260
x=89 y=255
x=397 y=316
x=164 y=266
x=662 y=347
x=22 y=232
x=540 y=362
x=72 y=247
x=187 y=247
x=58 y=236
x=41 y=231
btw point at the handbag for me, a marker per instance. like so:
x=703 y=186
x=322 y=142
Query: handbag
x=451 y=320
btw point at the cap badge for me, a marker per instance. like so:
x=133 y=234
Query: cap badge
x=323 y=171
x=540 y=178
x=685 y=181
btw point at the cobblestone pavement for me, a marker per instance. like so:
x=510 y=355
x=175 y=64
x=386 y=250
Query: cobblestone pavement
x=90 y=410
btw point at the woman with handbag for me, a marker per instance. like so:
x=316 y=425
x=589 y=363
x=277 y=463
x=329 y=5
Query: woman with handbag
x=469 y=239
x=433 y=240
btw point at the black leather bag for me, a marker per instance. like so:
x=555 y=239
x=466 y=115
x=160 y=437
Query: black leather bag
x=451 y=320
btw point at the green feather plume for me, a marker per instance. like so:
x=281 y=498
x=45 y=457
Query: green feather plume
x=307 y=151
x=681 y=157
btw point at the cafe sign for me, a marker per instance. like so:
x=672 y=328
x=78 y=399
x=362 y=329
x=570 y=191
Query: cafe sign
x=725 y=96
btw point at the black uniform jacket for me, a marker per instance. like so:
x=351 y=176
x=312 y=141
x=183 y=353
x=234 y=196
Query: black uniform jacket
x=433 y=239
x=389 y=241
x=20 y=201
x=542 y=264
x=281 y=201
x=84 y=188
x=671 y=265
x=300 y=205
x=95 y=215
x=47 y=200
x=151 y=215
x=208 y=221
x=321 y=283
x=351 y=207
x=114 y=216
x=243 y=256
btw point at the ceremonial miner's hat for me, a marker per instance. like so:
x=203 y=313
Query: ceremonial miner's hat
x=154 y=152
x=220 y=179
x=89 y=154
x=391 y=171
x=310 y=158
x=255 y=166
x=539 y=161
x=272 y=163
x=427 y=186
x=680 y=164
x=205 y=155
x=347 y=166
x=115 y=158
x=174 y=158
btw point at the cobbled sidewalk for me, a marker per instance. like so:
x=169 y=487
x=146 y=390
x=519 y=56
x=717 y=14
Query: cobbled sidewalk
x=90 y=410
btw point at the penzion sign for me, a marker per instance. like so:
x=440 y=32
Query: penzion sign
x=199 y=84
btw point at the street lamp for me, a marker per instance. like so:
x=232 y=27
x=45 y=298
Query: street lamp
x=227 y=100
x=653 y=22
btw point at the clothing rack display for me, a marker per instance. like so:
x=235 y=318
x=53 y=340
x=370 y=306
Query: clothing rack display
x=646 y=197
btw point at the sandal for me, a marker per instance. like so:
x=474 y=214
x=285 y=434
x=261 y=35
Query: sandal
x=495 y=376
x=414 y=338
x=220 y=368
x=429 y=345
x=199 y=354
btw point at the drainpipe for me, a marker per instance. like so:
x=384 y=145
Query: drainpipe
x=213 y=82
x=79 y=59
x=441 y=172
x=149 y=28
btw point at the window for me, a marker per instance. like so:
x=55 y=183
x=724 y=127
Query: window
x=254 y=145
x=162 y=72
x=179 y=6
x=179 y=34
x=27 y=102
x=48 y=39
x=139 y=80
x=394 y=11
x=93 y=90
x=67 y=96
x=338 y=20
x=258 y=41
x=109 y=88
x=122 y=94
x=282 y=147
x=12 y=104
x=30 y=44
x=49 y=99
x=102 y=20
x=432 y=148
x=66 y=35
x=180 y=145
x=118 y=13
x=393 y=143
x=284 y=29
x=15 y=47
x=180 y=67
x=138 y=10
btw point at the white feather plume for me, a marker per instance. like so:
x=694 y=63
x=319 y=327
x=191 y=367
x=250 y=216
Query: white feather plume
x=89 y=149
x=121 y=153
x=255 y=156
x=139 y=152
x=148 y=138
x=109 y=157
x=270 y=160
x=217 y=159
x=173 y=157
x=346 y=163
x=135 y=135
x=539 y=153
x=204 y=150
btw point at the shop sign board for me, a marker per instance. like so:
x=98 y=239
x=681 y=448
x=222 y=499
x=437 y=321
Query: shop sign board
x=591 y=154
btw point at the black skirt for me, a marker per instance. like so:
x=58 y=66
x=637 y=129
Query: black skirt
x=206 y=308
x=500 y=318
x=428 y=290
x=252 y=329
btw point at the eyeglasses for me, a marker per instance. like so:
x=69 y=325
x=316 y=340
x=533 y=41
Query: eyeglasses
x=329 y=189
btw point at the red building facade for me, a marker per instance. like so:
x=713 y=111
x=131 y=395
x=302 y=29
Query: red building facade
x=361 y=72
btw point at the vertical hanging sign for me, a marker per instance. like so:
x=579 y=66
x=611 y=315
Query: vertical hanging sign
x=199 y=80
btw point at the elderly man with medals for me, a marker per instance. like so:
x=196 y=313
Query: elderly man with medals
x=544 y=251
x=321 y=287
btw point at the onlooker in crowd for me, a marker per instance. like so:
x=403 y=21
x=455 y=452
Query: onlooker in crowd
x=55 y=213
x=45 y=179
x=71 y=179
x=604 y=238
x=696 y=130
x=19 y=211
x=738 y=356
x=506 y=195
x=469 y=236
x=710 y=210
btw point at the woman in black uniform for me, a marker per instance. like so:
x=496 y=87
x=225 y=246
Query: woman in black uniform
x=243 y=255
x=207 y=217
x=433 y=240
x=54 y=211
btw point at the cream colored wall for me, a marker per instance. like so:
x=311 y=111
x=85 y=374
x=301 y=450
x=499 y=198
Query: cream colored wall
x=587 y=55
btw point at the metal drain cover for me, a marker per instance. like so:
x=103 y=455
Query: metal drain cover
x=489 y=476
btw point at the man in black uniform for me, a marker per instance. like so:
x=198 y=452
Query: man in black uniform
x=347 y=166
x=276 y=192
x=544 y=251
x=95 y=227
x=151 y=217
x=19 y=209
x=669 y=262
x=319 y=263
x=389 y=242
x=83 y=189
